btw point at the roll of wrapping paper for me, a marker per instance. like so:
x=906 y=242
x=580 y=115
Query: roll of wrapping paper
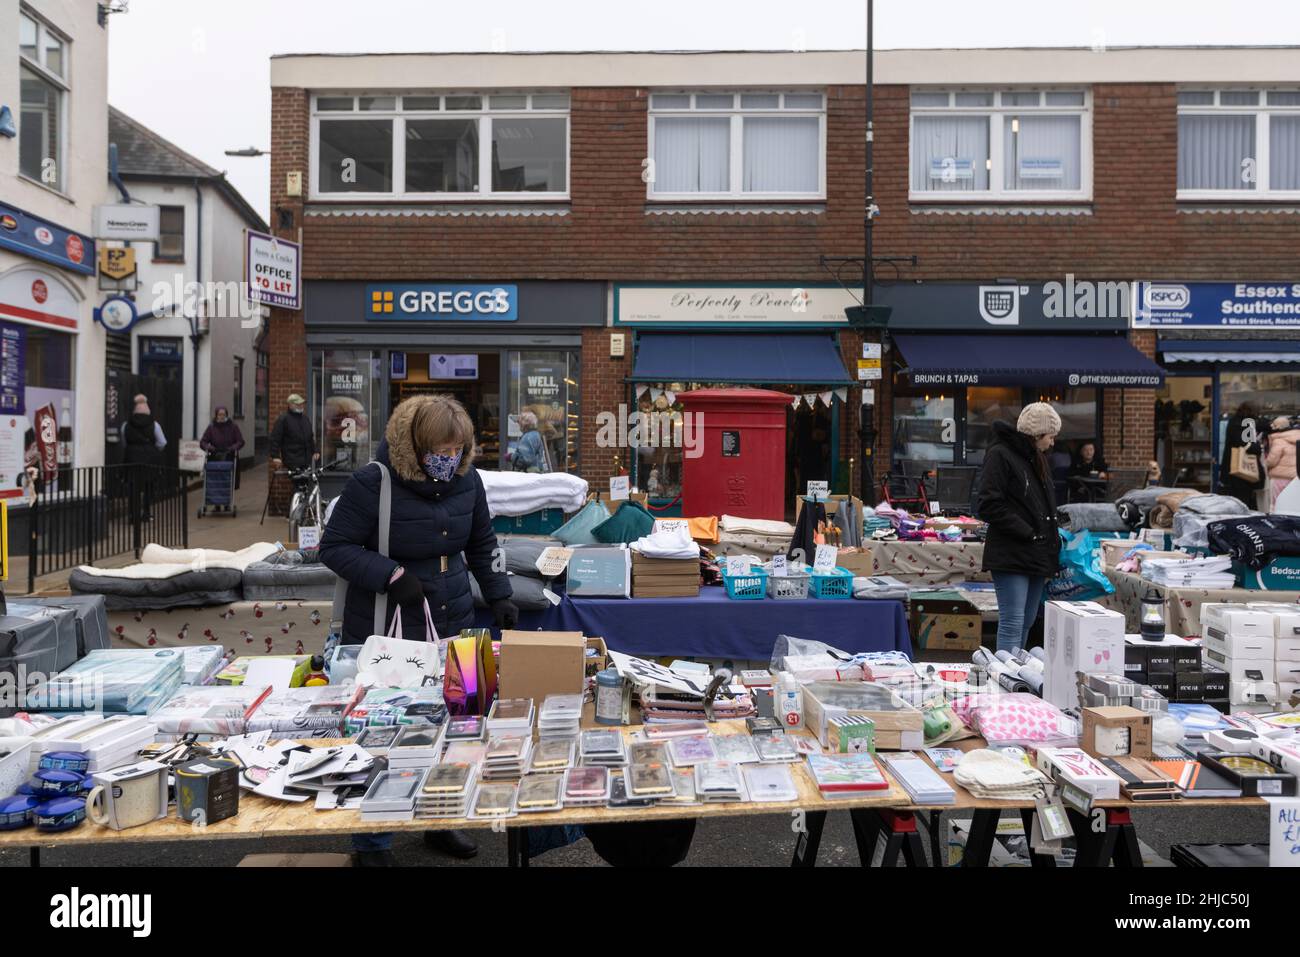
x=1039 y=653
x=981 y=657
x=1034 y=679
x=1011 y=681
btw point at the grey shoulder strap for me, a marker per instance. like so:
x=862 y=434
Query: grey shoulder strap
x=385 y=524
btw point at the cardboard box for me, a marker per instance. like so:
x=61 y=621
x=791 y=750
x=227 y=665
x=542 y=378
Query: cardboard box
x=1281 y=574
x=1243 y=669
x=898 y=725
x=1163 y=682
x=1216 y=683
x=1252 y=693
x=860 y=561
x=665 y=577
x=296 y=860
x=1230 y=618
x=598 y=662
x=537 y=663
x=1081 y=770
x=949 y=633
x=1104 y=720
x=1167 y=656
x=1240 y=647
x=1078 y=637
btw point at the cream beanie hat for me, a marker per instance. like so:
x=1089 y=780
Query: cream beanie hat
x=1039 y=418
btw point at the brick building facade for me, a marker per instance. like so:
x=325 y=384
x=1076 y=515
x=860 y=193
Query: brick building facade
x=1132 y=224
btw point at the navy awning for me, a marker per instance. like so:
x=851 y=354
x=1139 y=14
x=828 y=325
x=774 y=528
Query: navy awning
x=1230 y=350
x=995 y=359
x=739 y=358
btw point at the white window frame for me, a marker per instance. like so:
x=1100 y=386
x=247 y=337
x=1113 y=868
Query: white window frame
x=1262 y=112
x=737 y=114
x=62 y=83
x=484 y=116
x=997 y=115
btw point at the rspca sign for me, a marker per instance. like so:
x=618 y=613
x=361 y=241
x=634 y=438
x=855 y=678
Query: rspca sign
x=1216 y=305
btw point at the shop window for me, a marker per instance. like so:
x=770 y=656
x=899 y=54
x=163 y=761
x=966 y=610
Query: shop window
x=435 y=146
x=1257 y=398
x=1183 y=432
x=984 y=406
x=1012 y=144
x=542 y=396
x=737 y=146
x=472 y=378
x=1238 y=144
x=43 y=92
x=925 y=433
x=344 y=404
x=171 y=234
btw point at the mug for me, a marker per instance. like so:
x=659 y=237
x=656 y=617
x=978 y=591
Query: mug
x=129 y=802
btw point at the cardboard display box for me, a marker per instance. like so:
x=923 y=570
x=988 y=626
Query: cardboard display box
x=600 y=571
x=1104 y=727
x=899 y=726
x=860 y=561
x=1281 y=574
x=537 y=663
x=944 y=621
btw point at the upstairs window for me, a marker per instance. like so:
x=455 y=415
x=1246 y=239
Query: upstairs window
x=1238 y=144
x=1001 y=145
x=440 y=146
x=43 y=92
x=737 y=146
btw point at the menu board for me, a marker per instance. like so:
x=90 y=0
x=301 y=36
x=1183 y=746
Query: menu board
x=13 y=369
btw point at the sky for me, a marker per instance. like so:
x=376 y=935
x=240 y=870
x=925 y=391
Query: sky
x=198 y=73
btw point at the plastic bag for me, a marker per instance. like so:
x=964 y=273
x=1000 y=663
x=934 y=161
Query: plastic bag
x=1080 y=577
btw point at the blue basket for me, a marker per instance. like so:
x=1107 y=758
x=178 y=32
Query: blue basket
x=834 y=584
x=750 y=587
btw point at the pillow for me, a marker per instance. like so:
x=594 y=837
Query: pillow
x=577 y=530
x=629 y=523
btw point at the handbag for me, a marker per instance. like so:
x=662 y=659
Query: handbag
x=390 y=661
x=1244 y=465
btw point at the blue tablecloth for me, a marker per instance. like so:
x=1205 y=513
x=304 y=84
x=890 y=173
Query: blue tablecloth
x=715 y=626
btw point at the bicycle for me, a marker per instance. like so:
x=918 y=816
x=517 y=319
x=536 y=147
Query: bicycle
x=306 y=510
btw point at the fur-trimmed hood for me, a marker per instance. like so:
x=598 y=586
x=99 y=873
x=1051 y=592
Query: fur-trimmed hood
x=402 y=454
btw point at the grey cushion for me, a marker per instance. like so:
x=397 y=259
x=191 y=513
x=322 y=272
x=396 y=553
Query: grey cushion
x=1093 y=516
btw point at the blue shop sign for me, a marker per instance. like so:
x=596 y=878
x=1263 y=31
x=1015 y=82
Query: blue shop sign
x=41 y=239
x=445 y=302
x=1217 y=305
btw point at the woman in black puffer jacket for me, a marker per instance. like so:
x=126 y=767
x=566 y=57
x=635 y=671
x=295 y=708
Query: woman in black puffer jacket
x=440 y=530
x=1018 y=501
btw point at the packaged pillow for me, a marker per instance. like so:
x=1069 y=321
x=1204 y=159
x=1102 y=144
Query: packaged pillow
x=577 y=530
x=629 y=523
x=1018 y=719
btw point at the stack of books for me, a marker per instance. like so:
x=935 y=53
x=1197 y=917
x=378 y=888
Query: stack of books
x=559 y=716
x=603 y=749
x=446 y=791
x=846 y=775
x=506 y=757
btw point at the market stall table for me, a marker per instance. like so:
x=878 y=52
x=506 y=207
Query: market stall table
x=1182 y=604
x=926 y=562
x=715 y=626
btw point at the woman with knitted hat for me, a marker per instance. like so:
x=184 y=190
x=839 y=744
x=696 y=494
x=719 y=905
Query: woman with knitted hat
x=1018 y=501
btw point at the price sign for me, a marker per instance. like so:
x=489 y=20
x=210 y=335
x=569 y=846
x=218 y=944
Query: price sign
x=737 y=565
x=308 y=537
x=779 y=568
x=1283 y=832
x=827 y=555
x=620 y=488
x=817 y=491
x=673 y=525
x=553 y=561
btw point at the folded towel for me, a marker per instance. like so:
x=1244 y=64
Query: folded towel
x=759 y=526
x=519 y=493
x=676 y=543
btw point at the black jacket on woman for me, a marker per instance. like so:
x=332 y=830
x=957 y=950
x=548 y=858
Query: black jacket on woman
x=430 y=520
x=1019 y=505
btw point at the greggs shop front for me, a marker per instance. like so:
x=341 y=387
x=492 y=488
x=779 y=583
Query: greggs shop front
x=501 y=348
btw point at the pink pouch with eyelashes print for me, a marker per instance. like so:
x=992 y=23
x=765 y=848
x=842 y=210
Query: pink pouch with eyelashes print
x=388 y=661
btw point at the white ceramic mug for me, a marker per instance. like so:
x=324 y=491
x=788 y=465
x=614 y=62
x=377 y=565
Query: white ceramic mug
x=126 y=803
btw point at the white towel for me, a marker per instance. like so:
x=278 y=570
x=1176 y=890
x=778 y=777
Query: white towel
x=519 y=493
x=673 y=543
x=761 y=526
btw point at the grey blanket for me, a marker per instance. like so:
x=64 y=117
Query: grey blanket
x=1195 y=514
x=212 y=586
x=1145 y=498
x=279 y=581
x=1092 y=516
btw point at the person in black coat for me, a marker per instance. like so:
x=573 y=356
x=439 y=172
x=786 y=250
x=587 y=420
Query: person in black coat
x=440 y=530
x=293 y=442
x=1018 y=501
x=143 y=443
x=1242 y=432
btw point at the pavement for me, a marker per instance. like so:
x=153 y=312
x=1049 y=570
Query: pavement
x=211 y=531
x=764 y=841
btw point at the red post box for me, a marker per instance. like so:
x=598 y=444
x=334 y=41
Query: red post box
x=739 y=463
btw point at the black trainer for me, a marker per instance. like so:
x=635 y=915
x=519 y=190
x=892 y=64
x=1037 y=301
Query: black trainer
x=454 y=843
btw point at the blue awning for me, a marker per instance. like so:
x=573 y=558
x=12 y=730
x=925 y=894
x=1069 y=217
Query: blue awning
x=995 y=359
x=739 y=358
x=1230 y=350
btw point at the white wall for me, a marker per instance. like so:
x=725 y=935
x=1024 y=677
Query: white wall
x=85 y=162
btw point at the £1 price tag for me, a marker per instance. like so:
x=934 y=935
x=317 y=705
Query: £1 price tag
x=620 y=488
x=826 y=557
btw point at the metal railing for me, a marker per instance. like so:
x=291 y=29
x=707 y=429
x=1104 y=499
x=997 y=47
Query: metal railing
x=98 y=512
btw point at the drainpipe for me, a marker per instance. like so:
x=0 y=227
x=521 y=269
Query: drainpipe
x=199 y=304
x=114 y=176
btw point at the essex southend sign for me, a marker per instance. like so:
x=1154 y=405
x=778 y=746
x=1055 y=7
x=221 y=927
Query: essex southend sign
x=442 y=302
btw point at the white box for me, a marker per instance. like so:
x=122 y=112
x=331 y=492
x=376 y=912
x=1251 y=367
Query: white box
x=1231 y=618
x=1286 y=618
x=1079 y=769
x=1251 y=692
x=1083 y=637
x=1286 y=649
x=1243 y=669
x=1287 y=687
x=1281 y=753
x=1239 y=646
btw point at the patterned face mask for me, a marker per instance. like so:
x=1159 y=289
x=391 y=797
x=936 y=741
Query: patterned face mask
x=440 y=467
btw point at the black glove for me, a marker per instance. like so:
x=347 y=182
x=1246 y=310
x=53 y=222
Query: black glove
x=505 y=612
x=407 y=590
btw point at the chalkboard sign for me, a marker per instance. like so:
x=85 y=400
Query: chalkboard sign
x=730 y=445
